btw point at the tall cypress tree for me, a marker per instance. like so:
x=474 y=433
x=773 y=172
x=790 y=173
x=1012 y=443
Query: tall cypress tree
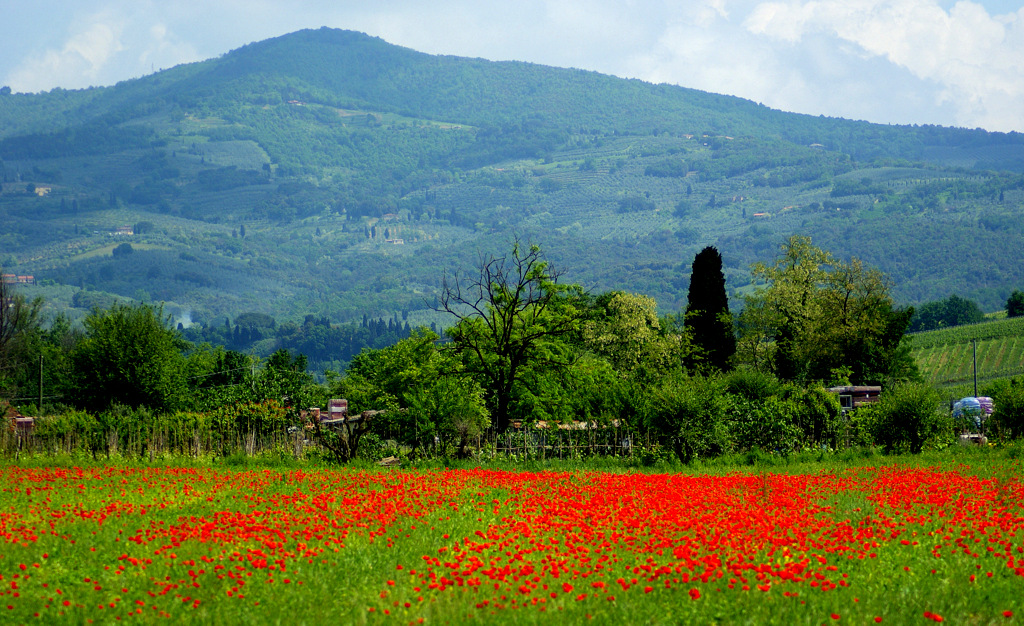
x=707 y=309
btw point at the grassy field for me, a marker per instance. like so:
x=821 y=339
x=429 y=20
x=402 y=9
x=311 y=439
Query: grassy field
x=854 y=540
x=946 y=356
x=109 y=250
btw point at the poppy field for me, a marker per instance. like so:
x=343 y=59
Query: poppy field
x=856 y=545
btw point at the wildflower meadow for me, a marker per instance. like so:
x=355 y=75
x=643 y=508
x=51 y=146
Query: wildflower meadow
x=858 y=545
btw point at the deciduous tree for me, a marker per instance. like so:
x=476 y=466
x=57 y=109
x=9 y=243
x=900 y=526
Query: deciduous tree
x=130 y=355
x=1015 y=304
x=511 y=314
x=19 y=318
x=953 y=311
x=624 y=328
x=425 y=390
x=815 y=314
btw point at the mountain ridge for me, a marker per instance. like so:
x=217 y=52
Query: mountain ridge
x=280 y=176
x=277 y=57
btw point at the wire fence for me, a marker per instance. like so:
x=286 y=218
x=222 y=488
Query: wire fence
x=161 y=436
x=151 y=443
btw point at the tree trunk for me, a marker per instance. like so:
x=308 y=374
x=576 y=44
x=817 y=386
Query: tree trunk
x=501 y=415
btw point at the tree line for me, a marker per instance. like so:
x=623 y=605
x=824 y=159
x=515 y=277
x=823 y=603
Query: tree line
x=526 y=348
x=324 y=344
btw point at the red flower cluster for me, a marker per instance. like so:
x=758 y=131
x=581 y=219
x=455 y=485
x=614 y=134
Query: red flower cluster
x=540 y=541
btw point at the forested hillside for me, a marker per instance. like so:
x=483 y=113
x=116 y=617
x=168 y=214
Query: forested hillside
x=330 y=174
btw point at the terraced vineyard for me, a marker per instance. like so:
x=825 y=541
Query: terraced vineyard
x=945 y=356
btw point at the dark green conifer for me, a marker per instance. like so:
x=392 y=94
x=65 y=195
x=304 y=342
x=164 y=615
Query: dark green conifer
x=707 y=309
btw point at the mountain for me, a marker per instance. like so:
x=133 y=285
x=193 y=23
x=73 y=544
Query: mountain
x=332 y=174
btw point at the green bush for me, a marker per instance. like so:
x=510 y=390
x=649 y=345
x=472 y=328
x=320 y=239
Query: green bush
x=764 y=425
x=908 y=417
x=752 y=384
x=773 y=416
x=816 y=414
x=1008 y=400
x=689 y=413
x=68 y=431
x=860 y=429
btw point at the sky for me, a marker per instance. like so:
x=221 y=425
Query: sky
x=886 y=61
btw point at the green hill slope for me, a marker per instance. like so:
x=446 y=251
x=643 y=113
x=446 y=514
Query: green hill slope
x=330 y=173
x=946 y=356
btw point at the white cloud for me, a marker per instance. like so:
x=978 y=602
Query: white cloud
x=114 y=42
x=80 y=62
x=162 y=49
x=902 y=61
x=975 y=60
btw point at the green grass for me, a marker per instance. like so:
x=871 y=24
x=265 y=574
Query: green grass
x=109 y=250
x=193 y=526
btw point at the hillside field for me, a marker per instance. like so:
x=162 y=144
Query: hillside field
x=946 y=356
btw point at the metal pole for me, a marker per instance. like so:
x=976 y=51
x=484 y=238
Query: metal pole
x=39 y=409
x=974 y=343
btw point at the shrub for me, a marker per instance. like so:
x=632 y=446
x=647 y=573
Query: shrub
x=752 y=384
x=68 y=431
x=765 y=425
x=816 y=414
x=1008 y=401
x=689 y=414
x=907 y=417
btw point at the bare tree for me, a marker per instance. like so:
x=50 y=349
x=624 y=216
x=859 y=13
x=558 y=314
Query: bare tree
x=510 y=316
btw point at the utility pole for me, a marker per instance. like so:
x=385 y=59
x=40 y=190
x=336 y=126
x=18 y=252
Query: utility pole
x=39 y=409
x=974 y=344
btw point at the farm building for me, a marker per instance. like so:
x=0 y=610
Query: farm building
x=855 y=396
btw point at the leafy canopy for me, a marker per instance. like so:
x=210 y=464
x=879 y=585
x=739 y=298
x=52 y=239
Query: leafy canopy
x=424 y=387
x=953 y=311
x=19 y=321
x=815 y=315
x=129 y=356
x=1015 y=304
x=512 y=315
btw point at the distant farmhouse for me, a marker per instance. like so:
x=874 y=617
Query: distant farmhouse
x=15 y=279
